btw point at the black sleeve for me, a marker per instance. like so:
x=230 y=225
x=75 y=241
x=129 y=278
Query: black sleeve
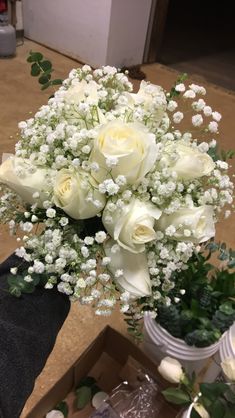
x=28 y=330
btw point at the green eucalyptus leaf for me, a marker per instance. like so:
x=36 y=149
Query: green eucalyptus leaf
x=56 y=82
x=35 y=70
x=212 y=246
x=223 y=256
x=46 y=65
x=35 y=57
x=44 y=79
x=231 y=263
x=83 y=397
x=17 y=285
x=30 y=59
x=15 y=291
x=176 y=396
x=46 y=85
x=63 y=407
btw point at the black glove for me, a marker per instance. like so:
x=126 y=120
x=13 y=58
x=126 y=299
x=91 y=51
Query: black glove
x=28 y=329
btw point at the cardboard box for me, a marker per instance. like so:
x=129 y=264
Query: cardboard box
x=103 y=359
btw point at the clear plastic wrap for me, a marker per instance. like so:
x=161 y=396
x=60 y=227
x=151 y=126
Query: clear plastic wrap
x=135 y=397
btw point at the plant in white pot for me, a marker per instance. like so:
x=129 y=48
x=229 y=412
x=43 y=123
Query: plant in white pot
x=202 y=308
x=202 y=400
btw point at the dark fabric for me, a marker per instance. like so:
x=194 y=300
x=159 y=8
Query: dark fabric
x=28 y=330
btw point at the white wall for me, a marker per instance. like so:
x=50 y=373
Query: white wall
x=96 y=32
x=127 y=32
x=78 y=28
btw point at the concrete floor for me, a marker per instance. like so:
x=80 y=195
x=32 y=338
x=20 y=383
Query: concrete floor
x=20 y=96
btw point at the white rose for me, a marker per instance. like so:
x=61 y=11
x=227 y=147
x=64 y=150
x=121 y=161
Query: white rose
x=87 y=92
x=188 y=162
x=152 y=98
x=133 y=225
x=171 y=370
x=133 y=146
x=82 y=90
x=194 y=224
x=76 y=193
x=16 y=174
x=228 y=367
x=135 y=278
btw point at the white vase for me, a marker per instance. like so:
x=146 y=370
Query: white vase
x=158 y=343
x=227 y=345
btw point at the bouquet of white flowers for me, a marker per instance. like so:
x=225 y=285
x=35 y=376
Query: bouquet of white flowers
x=112 y=197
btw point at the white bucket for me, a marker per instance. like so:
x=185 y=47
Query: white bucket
x=227 y=345
x=158 y=343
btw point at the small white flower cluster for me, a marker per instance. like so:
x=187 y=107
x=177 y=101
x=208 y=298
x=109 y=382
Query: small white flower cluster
x=109 y=194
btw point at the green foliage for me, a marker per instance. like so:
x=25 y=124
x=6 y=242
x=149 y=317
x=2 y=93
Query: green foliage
x=174 y=93
x=42 y=68
x=35 y=57
x=217 y=154
x=195 y=414
x=85 y=390
x=169 y=318
x=63 y=407
x=134 y=325
x=17 y=284
x=207 y=309
x=177 y=396
x=217 y=398
x=83 y=397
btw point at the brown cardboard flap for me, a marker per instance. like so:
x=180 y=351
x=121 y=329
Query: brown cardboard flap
x=90 y=356
x=56 y=394
x=104 y=359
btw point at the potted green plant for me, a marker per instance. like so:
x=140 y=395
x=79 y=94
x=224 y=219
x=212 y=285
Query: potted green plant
x=202 y=308
x=202 y=400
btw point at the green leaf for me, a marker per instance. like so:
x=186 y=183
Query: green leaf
x=231 y=263
x=176 y=396
x=213 y=390
x=35 y=57
x=230 y=412
x=17 y=285
x=35 y=70
x=63 y=407
x=46 y=85
x=56 y=82
x=15 y=291
x=44 y=79
x=46 y=65
x=217 y=409
x=195 y=414
x=86 y=381
x=83 y=397
x=226 y=308
x=230 y=395
x=223 y=256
